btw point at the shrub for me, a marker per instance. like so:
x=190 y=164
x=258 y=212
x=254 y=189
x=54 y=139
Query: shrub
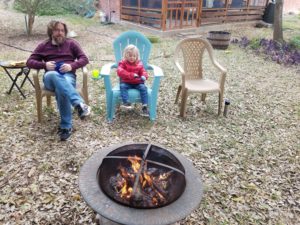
x=254 y=43
x=153 y=39
x=285 y=53
x=295 y=42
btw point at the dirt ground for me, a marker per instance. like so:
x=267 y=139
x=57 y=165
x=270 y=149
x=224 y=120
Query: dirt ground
x=249 y=161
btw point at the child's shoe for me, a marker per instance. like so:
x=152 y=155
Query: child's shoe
x=145 y=111
x=126 y=105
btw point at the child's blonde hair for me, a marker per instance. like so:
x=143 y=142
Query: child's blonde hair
x=131 y=49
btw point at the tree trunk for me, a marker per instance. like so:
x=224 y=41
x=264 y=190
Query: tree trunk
x=30 y=24
x=30 y=8
x=277 y=33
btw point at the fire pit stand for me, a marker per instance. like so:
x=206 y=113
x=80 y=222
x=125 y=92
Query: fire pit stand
x=110 y=212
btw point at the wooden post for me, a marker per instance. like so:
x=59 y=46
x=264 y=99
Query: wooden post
x=226 y=10
x=164 y=14
x=199 y=12
x=121 y=8
x=139 y=11
x=248 y=2
x=181 y=14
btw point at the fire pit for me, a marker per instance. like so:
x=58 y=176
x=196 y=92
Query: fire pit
x=142 y=178
x=140 y=184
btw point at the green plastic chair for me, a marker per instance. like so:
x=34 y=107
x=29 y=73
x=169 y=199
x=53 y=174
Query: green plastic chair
x=113 y=97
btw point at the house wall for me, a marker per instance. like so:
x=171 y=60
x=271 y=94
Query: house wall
x=107 y=6
x=291 y=6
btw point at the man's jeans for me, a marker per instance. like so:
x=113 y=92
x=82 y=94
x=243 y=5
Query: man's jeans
x=64 y=87
x=141 y=87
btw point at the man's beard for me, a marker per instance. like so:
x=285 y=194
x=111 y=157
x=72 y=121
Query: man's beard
x=59 y=40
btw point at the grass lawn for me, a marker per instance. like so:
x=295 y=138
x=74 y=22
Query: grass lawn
x=249 y=161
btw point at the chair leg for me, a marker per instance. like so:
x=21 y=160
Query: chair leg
x=109 y=114
x=112 y=109
x=48 y=100
x=152 y=108
x=39 y=106
x=183 y=103
x=178 y=93
x=220 y=103
x=85 y=96
x=203 y=96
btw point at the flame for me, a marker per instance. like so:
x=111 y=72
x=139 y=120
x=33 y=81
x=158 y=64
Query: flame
x=148 y=179
x=135 y=163
x=153 y=187
x=125 y=191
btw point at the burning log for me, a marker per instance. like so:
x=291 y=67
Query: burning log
x=140 y=185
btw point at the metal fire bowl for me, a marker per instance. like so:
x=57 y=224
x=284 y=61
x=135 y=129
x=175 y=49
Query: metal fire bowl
x=106 y=207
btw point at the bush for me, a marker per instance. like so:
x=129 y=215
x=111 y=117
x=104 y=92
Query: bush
x=254 y=43
x=153 y=39
x=282 y=53
x=295 y=42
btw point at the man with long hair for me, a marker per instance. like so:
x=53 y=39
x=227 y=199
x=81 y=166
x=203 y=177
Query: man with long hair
x=60 y=57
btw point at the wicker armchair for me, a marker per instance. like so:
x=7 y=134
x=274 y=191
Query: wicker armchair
x=41 y=92
x=192 y=77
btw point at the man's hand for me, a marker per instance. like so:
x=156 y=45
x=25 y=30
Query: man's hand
x=50 y=65
x=143 y=78
x=65 y=68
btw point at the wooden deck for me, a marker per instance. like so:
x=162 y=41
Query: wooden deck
x=174 y=14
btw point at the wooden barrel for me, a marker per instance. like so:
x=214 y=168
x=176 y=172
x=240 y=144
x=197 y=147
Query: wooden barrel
x=219 y=39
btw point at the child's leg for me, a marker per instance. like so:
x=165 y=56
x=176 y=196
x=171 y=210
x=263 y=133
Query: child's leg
x=124 y=92
x=143 y=92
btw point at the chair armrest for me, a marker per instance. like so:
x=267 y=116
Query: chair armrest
x=158 y=74
x=84 y=88
x=84 y=70
x=84 y=76
x=36 y=81
x=156 y=70
x=106 y=69
x=105 y=73
x=179 y=68
x=222 y=79
x=223 y=73
x=218 y=66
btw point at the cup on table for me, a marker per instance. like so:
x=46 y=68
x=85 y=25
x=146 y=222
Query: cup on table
x=58 y=66
x=95 y=74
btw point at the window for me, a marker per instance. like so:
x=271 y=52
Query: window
x=257 y=2
x=152 y=4
x=130 y=3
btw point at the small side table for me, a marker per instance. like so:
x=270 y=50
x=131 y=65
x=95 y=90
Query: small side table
x=21 y=70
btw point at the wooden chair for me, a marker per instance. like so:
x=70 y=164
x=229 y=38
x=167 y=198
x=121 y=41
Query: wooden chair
x=41 y=92
x=192 y=50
